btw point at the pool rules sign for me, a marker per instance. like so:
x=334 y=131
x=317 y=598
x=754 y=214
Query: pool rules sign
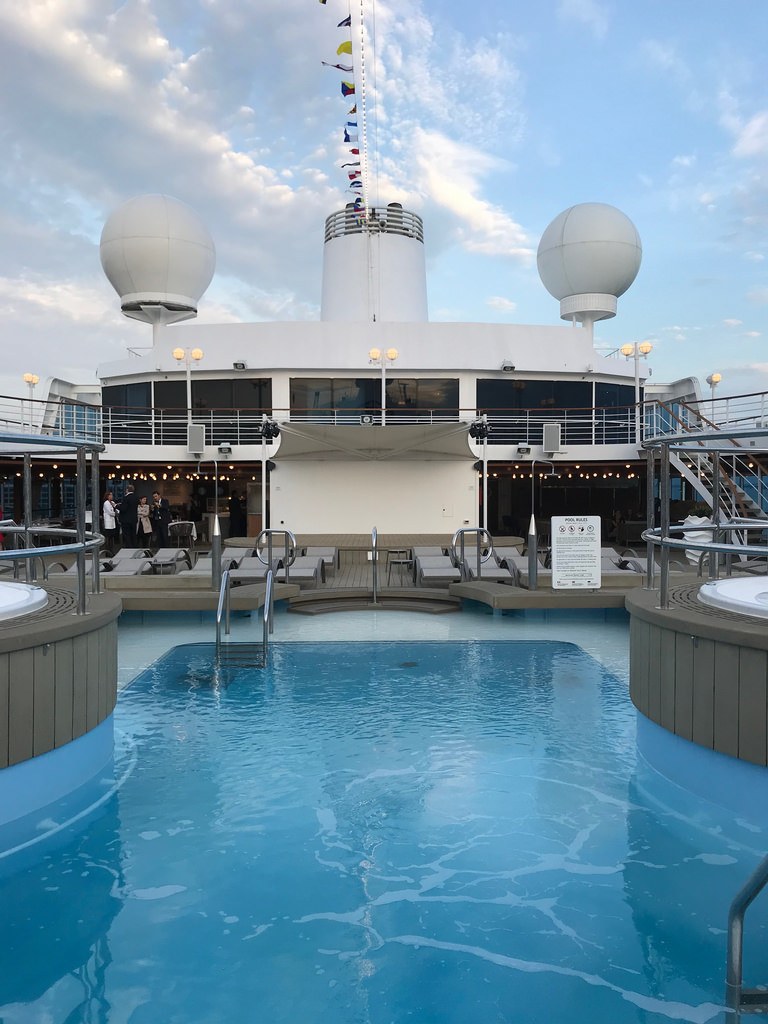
x=575 y=552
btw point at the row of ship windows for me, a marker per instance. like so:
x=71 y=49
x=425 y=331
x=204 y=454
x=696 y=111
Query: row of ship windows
x=308 y=394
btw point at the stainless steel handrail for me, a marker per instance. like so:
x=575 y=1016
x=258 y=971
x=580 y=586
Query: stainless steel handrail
x=481 y=536
x=222 y=609
x=268 y=616
x=375 y=563
x=735 y=996
x=289 y=549
x=662 y=538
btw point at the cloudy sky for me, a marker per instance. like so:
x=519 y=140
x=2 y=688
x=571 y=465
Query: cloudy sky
x=487 y=119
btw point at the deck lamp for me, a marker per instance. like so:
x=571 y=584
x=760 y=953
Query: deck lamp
x=713 y=380
x=188 y=356
x=30 y=379
x=635 y=350
x=382 y=358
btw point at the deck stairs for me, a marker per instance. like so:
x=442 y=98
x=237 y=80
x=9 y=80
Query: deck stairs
x=743 y=483
x=733 y=498
x=235 y=656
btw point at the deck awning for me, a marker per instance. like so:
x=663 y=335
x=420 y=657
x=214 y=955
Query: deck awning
x=428 y=442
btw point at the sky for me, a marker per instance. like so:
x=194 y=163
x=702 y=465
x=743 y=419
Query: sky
x=486 y=119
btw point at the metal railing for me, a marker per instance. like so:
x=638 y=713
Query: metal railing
x=483 y=549
x=289 y=549
x=375 y=563
x=223 y=611
x=736 y=997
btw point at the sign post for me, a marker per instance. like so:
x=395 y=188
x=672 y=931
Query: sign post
x=575 y=552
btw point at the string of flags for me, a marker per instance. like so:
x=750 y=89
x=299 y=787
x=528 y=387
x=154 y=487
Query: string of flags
x=351 y=131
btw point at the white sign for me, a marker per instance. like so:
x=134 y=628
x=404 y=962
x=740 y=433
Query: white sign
x=575 y=552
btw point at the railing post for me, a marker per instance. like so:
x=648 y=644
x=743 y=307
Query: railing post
x=82 y=491
x=664 y=527
x=374 y=561
x=30 y=569
x=714 y=556
x=650 y=516
x=95 y=521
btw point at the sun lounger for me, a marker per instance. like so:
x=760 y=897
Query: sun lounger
x=303 y=570
x=250 y=570
x=170 y=559
x=495 y=573
x=128 y=567
x=431 y=570
x=128 y=553
x=429 y=552
x=204 y=566
x=328 y=555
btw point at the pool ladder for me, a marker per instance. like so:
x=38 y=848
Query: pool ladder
x=268 y=620
x=751 y=1000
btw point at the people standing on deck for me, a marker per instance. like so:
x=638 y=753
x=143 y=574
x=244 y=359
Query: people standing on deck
x=144 y=521
x=129 y=516
x=237 y=519
x=161 y=517
x=109 y=516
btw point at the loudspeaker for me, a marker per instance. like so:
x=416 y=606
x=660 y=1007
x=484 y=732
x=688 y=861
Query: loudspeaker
x=551 y=437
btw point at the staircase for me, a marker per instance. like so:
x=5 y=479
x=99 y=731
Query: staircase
x=235 y=656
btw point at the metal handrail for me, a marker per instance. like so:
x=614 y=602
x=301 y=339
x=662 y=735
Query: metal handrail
x=222 y=609
x=375 y=563
x=481 y=536
x=735 y=996
x=268 y=616
x=289 y=549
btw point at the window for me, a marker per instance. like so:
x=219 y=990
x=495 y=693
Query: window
x=421 y=397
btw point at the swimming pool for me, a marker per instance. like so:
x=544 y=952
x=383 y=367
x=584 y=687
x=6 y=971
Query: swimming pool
x=388 y=832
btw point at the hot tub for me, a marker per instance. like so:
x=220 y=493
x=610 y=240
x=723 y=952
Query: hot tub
x=748 y=596
x=20 y=599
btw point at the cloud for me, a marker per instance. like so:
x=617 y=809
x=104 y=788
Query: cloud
x=758 y=296
x=500 y=303
x=732 y=323
x=752 y=137
x=450 y=173
x=587 y=12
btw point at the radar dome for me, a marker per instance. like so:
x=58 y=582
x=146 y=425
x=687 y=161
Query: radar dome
x=588 y=256
x=159 y=258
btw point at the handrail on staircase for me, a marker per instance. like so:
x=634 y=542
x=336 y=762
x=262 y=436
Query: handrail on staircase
x=375 y=563
x=736 y=996
x=482 y=538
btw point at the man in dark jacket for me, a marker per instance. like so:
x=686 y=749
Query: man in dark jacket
x=161 y=517
x=129 y=517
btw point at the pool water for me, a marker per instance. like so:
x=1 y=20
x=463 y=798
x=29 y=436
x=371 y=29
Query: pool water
x=386 y=833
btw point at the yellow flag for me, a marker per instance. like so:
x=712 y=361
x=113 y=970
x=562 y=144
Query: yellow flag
x=346 y=47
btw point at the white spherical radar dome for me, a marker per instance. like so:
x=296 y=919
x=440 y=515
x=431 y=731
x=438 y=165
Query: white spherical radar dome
x=157 y=255
x=588 y=256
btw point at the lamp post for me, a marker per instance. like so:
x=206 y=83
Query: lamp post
x=634 y=350
x=382 y=358
x=713 y=380
x=30 y=379
x=188 y=356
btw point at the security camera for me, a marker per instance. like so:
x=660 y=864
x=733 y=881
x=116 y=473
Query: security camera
x=225 y=448
x=507 y=367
